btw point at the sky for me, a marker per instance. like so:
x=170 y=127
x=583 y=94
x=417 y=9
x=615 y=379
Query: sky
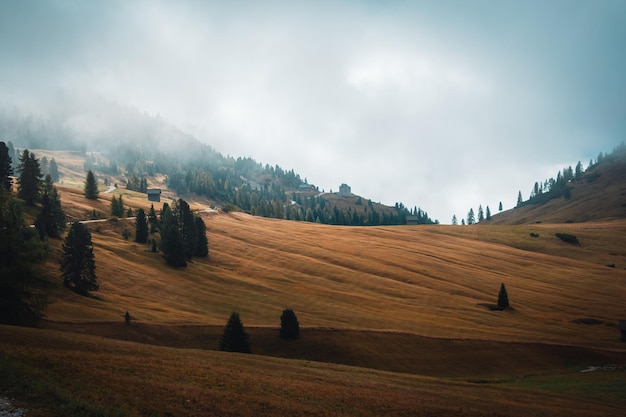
x=445 y=105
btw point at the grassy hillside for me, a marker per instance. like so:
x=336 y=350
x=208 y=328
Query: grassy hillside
x=395 y=321
x=598 y=195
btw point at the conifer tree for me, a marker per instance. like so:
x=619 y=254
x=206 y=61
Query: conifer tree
x=6 y=167
x=78 y=265
x=141 y=227
x=503 y=297
x=29 y=181
x=51 y=219
x=481 y=215
x=187 y=226
x=172 y=244
x=153 y=220
x=454 y=220
x=54 y=170
x=21 y=298
x=91 y=186
x=500 y=206
x=289 y=326
x=470 y=217
x=117 y=206
x=235 y=338
x=202 y=247
x=487 y=213
x=520 y=200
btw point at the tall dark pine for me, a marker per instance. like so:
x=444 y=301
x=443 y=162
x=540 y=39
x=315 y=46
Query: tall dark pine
x=21 y=301
x=503 y=297
x=202 y=248
x=6 y=167
x=187 y=225
x=172 y=244
x=289 y=326
x=141 y=227
x=29 y=181
x=78 y=265
x=235 y=338
x=91 y=186
x=50 y=221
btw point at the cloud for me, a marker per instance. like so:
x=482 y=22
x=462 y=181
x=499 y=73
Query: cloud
x=444 y=105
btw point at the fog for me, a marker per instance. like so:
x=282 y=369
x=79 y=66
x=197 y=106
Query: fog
x=443 y=105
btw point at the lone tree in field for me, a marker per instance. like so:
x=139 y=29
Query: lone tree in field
x=289 y=326
x=235 y=338
x=141 y=227
x=91 y=186
x=78 y=265
x=503 y=298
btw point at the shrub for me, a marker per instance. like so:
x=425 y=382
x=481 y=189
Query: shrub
x=566 y=237
x=533 y=234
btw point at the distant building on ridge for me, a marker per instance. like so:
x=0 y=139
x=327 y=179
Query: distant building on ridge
x=345 y=190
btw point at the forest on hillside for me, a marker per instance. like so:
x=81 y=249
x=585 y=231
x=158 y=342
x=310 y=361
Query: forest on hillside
x=141 y=146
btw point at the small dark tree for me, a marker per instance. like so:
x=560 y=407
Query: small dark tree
x=500 y=206
x=152 y=219
x=172 y=243
x=202 y=247
x=454 y=220
x=51 y=218
x=235 y=338
x=503 y=297
x=487 y=213
x=127 y=318
x=29 y=181
x=6 y=167
x=520 y=200
x=117 y=206
x=141 y=227
x=91 y=186
x=289 y=326
x=78 y=264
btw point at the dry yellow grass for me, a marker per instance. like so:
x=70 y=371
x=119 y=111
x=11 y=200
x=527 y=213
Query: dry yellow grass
x=430 y=281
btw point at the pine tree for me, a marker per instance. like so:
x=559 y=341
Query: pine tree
x=503 y=297
x=500 y=206
x=202 y=248
x=289 y=326
x=21 y=297
x=520 y=200
x=117 y=206
x=454 y=220
x=51 y=219
x=172 y=244
x=78 y=264
x=235 y=338
x=187 y=225
x=29 y=181
x=54 y=170
x=481 y=215
x=153 y=220
x=470 y=217
x=141 y=227
x=487 y=213
x=6 y=167
x=91 y=186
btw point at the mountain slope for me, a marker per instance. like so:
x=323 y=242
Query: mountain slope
x=598 y=194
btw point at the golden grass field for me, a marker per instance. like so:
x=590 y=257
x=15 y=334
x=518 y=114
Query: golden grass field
x=394 y=322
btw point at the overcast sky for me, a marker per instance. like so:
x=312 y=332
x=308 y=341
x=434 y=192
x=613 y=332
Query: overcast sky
x=440 y=104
